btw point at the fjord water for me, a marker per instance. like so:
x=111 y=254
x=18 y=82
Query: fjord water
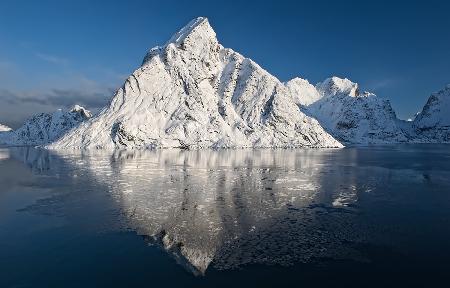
x=318 y=217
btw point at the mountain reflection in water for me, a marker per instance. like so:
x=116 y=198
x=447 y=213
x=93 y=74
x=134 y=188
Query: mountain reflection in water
x=231 y=208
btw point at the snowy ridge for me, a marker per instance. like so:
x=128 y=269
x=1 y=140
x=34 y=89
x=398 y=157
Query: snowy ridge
x=349 y=115
x=45 y=128
x=194 y=93
x=337 y=86
x=302 y=91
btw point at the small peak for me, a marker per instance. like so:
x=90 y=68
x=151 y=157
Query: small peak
x=298 y=80
x=81 y=110
x=77 y=108
x=303 y=93
x=196 y=28
x=4 y=128
x=335 y=85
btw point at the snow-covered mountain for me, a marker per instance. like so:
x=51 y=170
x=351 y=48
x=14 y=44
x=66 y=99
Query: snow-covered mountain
x=302 y=91
x=433 y=123
x=351 y=116
x=194 y=93
x=44 y=128
x=4 y=128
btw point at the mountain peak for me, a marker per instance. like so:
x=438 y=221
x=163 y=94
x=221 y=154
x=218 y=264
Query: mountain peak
x=82 y=111
x=196 y=37
x=302 y=91
x=197 y=28
x=336 y=85
x=199 y=25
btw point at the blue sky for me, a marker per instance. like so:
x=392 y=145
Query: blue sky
x=58 y=53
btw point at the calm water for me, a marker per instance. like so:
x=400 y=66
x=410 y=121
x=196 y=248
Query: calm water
x=343 y=217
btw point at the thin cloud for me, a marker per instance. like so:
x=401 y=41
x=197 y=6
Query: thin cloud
x=52 y=58
x=374 y=85
x=58 y=97
x=17 y=106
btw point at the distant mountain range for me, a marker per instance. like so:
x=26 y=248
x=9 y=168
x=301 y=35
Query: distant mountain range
x=44 y=128
x=194 y=93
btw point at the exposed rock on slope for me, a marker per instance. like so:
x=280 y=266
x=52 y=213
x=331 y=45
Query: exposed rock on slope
x=433 y=123
x=44 y=128
x=194 y=93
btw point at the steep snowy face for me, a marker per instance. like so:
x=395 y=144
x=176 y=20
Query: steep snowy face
x=44 y=128
x=302 y=91
x=353 y=117
x=338 y=86
x=433 y=123
x=194 y=93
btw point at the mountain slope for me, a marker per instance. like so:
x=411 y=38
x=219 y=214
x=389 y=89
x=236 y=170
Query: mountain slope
x=44 y=128
x=302 y=91
x=194 y=93
x=349 y=115
x=433 y=123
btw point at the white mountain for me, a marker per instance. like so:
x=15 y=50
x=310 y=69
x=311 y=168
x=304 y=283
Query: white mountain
x=302 y=91
x=194 y=93
x=44 y=128
x=4 y=128
x=349 y=115
x=433 y=123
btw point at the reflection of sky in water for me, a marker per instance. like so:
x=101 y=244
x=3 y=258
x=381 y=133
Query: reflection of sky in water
x=235 y=207
x=4 y=154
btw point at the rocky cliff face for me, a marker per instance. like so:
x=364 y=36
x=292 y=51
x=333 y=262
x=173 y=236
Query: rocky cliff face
x=194 y=93
x=433 y=123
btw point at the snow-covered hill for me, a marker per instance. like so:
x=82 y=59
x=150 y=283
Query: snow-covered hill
x=433 y=123
x=45 y=128
x=4 y=128
x=194 y=93
x=349 y=115
x=302 y=91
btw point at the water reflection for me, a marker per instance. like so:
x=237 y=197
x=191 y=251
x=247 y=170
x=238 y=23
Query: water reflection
x=229 y=208
x=4 y=154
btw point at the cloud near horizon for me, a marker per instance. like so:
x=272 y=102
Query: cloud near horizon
x=61 y=86
x=20 y=105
